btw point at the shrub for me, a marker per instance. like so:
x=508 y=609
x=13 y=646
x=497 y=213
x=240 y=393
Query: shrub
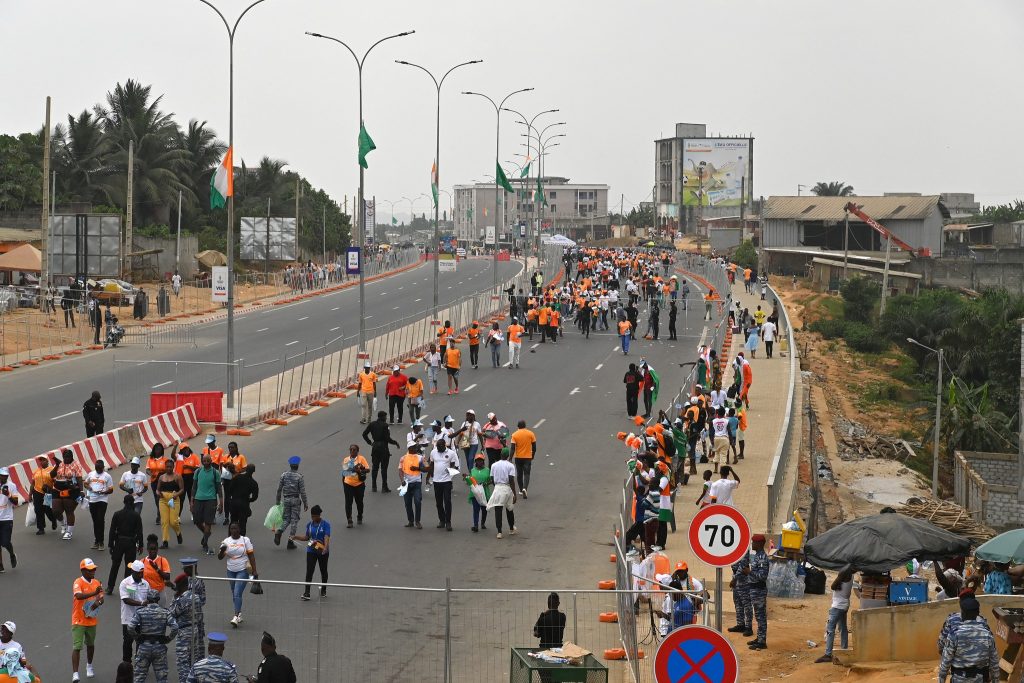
x=746 y=255
x=859 y=298
x=864 y=338
x=829 y=328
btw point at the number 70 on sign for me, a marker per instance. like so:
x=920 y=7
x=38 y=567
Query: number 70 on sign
x=719 y=535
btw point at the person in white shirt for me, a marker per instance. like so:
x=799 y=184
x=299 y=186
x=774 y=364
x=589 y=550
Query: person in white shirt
x=8 y=643
x=132 y=591
x=9 y=497
x=240 y=556
x=841 y=589
x=468 y=435
x=98 y=487
x=768 y=334
x=722 y=489
x=135 y=483
x=433 y=363
x=503 y=474
x=720 y=428
x=718 y=398
x=442 y=460
x=176 y=284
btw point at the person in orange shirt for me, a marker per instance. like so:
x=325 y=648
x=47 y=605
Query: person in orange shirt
x=515 y=342
x=354 y=468
x=414 y=392
x=366 y=392
x=42 y=483
x=187 y=464
x=444 y=333
x=155 y=466
x=453 y=363
x=232 y=463
x=87 y=594
x=543 y=315
x=156 y=569
x=531 y=320
x=553 y=321
x=625 y=330
x=523 y=450
x=474 y=344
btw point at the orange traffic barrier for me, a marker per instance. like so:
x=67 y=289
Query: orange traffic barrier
x=608 y=617
x=320 y=404
x=606 y=585
x=276 y=421
x=7 y=368
x=337 y=394
x=30 y=361
x=298 y=411
x=615 y=653
x=612 y=558
x=238 y=432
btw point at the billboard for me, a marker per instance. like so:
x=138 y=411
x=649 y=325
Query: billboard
x=85 y=244
x=369 y=219
x=254 y=233
x=219 y=284
x=489 y=234
x=726 y=171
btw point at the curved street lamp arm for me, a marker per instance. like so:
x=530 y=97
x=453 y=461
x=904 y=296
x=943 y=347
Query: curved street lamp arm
x=472 y=61
x=359 y=65
x=480 y=94
x=222 y=18
x=397 y=35
x=244 y=12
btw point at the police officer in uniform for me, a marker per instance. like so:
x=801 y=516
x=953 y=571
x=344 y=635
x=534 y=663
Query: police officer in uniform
x=291 y=492
x=756 y=572
x=151 y=625
x=741 y=597
x=187 y=610
x=970 y=653
x=214 y=668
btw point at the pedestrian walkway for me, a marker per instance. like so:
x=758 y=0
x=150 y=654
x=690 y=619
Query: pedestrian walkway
x=766 y=424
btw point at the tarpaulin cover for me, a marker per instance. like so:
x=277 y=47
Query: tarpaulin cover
x=883 y=542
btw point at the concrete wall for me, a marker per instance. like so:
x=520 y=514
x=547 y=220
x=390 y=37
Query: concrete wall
x=986 y=484
x=164 y=261
x=723 y=239
x=910 y=633
x=973 y=273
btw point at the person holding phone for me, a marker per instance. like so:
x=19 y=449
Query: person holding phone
x=238 y=551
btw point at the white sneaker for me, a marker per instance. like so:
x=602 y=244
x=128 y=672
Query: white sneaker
x=89 y=673
x=239 y=617
x=513 y=531
x=74 y=677
x=657 y=548
x=66 y=536
x=499 y=535
x=234 y=621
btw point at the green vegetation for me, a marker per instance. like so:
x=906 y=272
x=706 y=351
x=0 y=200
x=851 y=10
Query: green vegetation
x=90 y=158
x=835 y=188
x=746 y=255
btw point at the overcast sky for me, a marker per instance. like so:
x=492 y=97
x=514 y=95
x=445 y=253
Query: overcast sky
x=887 y=96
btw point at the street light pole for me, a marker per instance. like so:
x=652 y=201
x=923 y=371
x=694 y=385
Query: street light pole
x=938 y=416
x=359 y=202
x=231 y=198
x=529 y=129
x=437 y=166
x=497 y=162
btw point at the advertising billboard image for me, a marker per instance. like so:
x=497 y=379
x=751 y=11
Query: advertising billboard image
x=254 y=233
x=726 y=169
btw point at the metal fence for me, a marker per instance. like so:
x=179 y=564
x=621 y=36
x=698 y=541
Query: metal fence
x=777 y=474
x=391 y=633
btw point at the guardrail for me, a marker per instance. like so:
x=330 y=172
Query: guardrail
x=777 y=473
x=165 y=334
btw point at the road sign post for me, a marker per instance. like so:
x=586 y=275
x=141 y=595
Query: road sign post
x=696 y=653
x=719 y=535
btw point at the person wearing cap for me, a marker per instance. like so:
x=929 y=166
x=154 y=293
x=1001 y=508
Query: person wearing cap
x=354 y=469
x=514 y=332
x=98 y=487
x=207 y=499
x=493 y=341
x=87 y=597
x=135 y=482
x=377 y=436
x=275 y=668
x=42 y=485
x=190 y=568
x=969 y=653
x=8 y=643
x=414 y=393
x=291 y=492
x=124 y=539
x=842 y=586
x=9 y=498
x=467 y=437
x=410 y=473
x=187 y=609
x=741 y=597
x=479 y=473
x=366 y=392
x=213 y=668
x=133 y=592
x=473 y=334
x=756 y=572
x=396 y=389
x=318 y=549
x=955 y=620
x=453 y=363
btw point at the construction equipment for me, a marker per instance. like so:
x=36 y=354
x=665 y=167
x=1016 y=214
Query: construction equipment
x=885 y=232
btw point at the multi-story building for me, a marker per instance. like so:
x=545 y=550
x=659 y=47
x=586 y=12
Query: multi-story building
x=577 y=210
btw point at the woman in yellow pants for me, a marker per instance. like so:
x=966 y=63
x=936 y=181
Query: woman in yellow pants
x=171 y=489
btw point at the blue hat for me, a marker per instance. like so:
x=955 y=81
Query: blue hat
x=189 y=562
x=217 y=638
x=294 y=460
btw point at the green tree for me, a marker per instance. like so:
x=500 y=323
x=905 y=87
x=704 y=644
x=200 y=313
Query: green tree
x=746 y=255
x=21 y=180
x=81 y=154
x=835 y=188
x=1004 y=213
x=640 y=217
x=203 y=151
x=859 y=298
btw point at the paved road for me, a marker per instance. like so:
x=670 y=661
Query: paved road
x=41 y=406
x=570 y=393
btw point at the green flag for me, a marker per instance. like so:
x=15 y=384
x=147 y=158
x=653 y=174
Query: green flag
x=434 y=182
x=499 y=174
x=525 y=171
x=538 y=196
x=365 y=145
x=657 y=384
x=394 y=221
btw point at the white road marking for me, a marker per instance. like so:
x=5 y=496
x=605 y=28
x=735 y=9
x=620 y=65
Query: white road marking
x=335 y=308
x=575 y=390
x=162 y=384
x=383 y=293
x=263 y=329
x=470 y=387
x=60 y=386
x=334 y=329
x=599 y=366
x=401 y=288
x=417 y=301
x=542 y=421
x=368 y=317
x=292 y=342
x=395 y=308
x=305 y=317
x=535 y=346
x=73 y=412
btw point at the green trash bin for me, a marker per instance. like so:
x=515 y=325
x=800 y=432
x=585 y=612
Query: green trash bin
x=527 y=669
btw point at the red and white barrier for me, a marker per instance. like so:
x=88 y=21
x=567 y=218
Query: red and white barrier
x=169 y=428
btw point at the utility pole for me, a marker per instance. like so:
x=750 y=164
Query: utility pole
x=126 y=261
x=177 y=241
x=938 y=423
x=298 y=195
x=325 y=234
x=846 y=244
x=266 y=245
x=885 y=276
x=44 y=274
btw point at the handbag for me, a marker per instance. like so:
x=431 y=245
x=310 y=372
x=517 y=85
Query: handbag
x=255 y=588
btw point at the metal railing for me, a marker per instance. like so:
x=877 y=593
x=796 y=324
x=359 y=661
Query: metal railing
x=166 y=334
x=780 y=460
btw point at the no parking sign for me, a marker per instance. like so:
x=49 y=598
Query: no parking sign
x=696 y=654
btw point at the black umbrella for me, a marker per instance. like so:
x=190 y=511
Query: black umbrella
x=879 y=543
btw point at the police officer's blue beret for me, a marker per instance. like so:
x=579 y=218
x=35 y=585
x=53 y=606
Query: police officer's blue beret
x=294 y=460
x=217 y=638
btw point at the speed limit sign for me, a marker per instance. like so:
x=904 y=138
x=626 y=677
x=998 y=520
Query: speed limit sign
x=719 y=535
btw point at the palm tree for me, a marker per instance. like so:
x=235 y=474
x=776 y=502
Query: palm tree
x=203 y=151
x=80 y=157
x=836 y=188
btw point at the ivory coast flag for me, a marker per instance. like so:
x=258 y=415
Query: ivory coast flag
x=222 y=182
x=434 y=182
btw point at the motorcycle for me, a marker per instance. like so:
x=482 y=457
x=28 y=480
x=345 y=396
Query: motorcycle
x=114 y=333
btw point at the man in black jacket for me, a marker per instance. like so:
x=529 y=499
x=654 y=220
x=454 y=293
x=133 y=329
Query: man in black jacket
x=274 y=668
x=378 y=436
x=92 y=410
x=244 y=492
x=125 y=540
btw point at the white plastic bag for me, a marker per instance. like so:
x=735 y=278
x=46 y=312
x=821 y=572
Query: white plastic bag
x=479 y=494
x=30 y=516
x=403 y=489
x=374 y=404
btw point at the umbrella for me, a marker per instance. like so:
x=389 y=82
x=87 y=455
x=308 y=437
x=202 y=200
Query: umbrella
x=1008 y=547
x=882 y=542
